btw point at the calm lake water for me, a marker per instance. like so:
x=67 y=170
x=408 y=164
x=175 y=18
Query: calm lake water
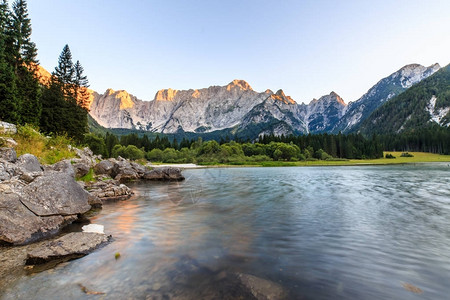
x=320 y=232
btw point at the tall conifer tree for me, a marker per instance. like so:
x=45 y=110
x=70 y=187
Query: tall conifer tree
x=61 y=110
x=65 y=72
x=22 y=53
x=8 y=90
x=81 y=85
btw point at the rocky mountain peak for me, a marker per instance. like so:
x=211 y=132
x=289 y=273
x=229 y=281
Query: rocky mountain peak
x=241 y=84
x=337 y=98
x=109 y=92
x=280 y=96
x=165 y=95
x=332 y=97
x=413 y=73
x=125 y=99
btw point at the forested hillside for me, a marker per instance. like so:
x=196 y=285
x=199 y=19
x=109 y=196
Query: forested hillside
x=57 y=106
x=424 y=104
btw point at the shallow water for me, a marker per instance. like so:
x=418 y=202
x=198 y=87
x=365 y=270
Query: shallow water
x=320 y=232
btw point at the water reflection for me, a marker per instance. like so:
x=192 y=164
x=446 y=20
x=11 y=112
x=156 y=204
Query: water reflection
x=322 y=233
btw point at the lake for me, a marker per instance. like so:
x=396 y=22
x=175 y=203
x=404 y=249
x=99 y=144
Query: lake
x=363 y=232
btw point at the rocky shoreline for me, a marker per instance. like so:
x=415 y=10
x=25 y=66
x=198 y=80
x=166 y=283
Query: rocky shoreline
x=38 y=201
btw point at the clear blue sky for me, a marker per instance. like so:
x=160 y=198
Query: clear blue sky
x=307 y=48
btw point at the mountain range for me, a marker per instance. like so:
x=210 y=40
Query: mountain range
x=237 y=109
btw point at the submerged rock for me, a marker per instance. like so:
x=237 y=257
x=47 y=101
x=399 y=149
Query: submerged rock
x=164 y=174
x=262 y=289
x=70 y=246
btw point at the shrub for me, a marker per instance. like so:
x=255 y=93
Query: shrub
x=155 y=155
x=95 y=143
x=48 y=150
x=406 y=154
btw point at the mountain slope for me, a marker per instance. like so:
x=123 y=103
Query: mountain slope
x=213 y=108
x=322 y=115
x=425 y=103
x=385 y=89
x=238 y=109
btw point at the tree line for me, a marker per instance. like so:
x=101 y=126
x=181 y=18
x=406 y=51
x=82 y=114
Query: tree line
x=266 y=148
x=56 y=106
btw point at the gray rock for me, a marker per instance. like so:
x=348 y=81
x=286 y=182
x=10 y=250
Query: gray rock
x=124 y=171
x=62 y=166
x=8 y=128
x=69 y=246
x=262 y=289
x=105 y=167
x=81 y=169
x=140 y=169
x=94 y=201
x=55 y=193
x=109 y=190
x=29 y=163
x=18 y=225
x=29 y=177
x=5 y=171
x=8 y=154
x=164 y=174
x=87 y=156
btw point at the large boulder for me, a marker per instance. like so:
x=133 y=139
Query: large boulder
x=18 y=225
x=36 y=203
x=105 y=167
x=124 y=171
x=69 y=246
x=8 y=154
x=140 y=169
x=164 y=174
x=55 y=193
x=29 y=163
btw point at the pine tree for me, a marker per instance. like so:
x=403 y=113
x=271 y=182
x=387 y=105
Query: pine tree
x=8 y=90
x=53 y=108
x=65 y=72
x=81 y=86
x=22 y=53
x=67 y=79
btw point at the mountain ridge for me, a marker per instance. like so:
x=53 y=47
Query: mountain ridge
x=239 y=108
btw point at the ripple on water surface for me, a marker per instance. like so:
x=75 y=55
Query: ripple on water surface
x=320 y=232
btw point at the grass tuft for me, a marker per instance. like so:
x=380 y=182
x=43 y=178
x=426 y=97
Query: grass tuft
x=89 y=177
x=48 y=149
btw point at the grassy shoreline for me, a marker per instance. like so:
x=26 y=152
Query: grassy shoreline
x=419 y=157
